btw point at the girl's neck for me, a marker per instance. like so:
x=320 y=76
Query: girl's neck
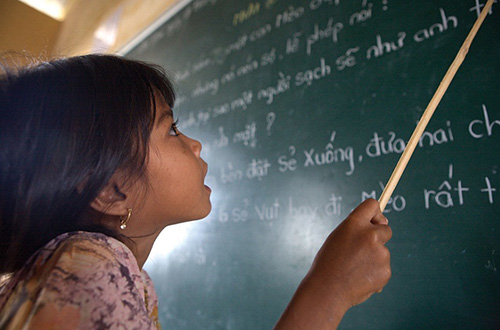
x=141 y=247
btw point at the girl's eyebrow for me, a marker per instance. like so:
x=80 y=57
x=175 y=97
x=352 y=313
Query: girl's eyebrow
x=165 y=114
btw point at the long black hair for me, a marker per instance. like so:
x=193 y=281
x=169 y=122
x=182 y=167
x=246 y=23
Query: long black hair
x=66 y=126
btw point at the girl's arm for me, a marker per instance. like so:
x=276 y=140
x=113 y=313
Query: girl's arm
x=352 y=264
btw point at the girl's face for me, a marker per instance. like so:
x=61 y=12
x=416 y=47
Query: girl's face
x=175 y=191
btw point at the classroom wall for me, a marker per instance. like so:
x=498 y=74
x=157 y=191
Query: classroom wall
x=23 y=28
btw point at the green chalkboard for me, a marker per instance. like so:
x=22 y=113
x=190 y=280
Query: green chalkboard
x=303 y=109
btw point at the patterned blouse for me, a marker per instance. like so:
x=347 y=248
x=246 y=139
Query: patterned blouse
x=80 y=280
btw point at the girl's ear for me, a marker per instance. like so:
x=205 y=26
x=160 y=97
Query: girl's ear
x=111 y=200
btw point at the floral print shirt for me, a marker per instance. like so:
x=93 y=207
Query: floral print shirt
x=79 y=280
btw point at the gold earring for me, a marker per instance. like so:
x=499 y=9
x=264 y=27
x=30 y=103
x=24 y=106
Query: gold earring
x=124 y=219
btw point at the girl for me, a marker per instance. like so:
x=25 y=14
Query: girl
x=92 y=169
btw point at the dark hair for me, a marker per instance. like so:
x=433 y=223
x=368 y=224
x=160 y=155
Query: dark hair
x=64 y=124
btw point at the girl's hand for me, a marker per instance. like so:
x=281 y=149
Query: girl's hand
x=352 y=264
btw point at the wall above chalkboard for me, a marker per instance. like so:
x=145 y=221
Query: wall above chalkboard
x=303 y=109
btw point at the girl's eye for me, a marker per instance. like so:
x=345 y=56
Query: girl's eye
x=174 y=131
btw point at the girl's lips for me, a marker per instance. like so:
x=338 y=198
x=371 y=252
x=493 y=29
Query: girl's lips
x=208 y=188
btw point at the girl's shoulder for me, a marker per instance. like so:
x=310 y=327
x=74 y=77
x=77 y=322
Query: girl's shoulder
x=78 y=255
x=82 y=273
x=86 y=247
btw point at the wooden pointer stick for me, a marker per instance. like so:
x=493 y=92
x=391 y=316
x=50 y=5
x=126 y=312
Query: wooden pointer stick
x=429 y=111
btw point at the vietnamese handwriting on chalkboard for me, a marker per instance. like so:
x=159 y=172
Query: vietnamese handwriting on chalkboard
x=330 y=31
x=452 y=192
x=331 y=154
x=229 y=63
x=306 y=41
x=380 y=144
x=291 y=14
x=483 y=126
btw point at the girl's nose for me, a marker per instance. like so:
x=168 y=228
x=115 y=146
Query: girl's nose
x=195 y=145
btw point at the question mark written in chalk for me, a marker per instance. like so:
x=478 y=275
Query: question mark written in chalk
x=270 y=120
x=384 y=4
